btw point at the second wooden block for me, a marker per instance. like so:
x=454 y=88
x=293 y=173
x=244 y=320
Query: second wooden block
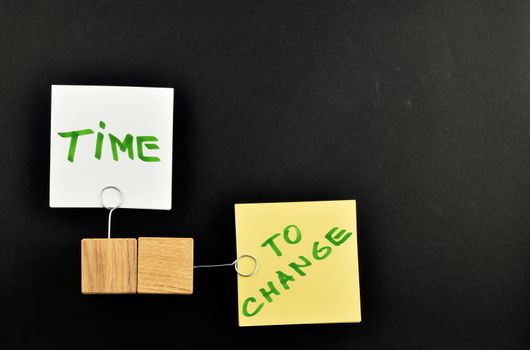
x=165 y=265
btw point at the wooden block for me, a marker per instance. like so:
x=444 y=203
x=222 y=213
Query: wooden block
x=165 y=265
x=109 y=266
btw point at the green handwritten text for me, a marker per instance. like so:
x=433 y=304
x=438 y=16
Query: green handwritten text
x=124 y=145
x=292 y=235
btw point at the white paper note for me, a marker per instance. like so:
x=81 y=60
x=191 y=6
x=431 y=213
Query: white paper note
x=111 y=136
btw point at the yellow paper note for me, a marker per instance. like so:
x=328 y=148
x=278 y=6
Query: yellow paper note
x=308 y=267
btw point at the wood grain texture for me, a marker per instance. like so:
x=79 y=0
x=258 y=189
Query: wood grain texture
x=165 y=265
x=109 y=266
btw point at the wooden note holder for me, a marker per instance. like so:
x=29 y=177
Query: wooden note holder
x=109 y=266
x=165 y=265
x=125 y=266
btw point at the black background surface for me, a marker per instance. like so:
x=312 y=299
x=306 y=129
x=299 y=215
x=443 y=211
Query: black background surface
x=417 y=109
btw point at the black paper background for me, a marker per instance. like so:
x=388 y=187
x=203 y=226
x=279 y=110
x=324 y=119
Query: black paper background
x=417 y=109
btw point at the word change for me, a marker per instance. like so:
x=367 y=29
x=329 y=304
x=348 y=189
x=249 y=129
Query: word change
x=296 y=269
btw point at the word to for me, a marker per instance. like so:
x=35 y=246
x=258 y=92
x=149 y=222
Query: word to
x=125 y=145
x=295 y=268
